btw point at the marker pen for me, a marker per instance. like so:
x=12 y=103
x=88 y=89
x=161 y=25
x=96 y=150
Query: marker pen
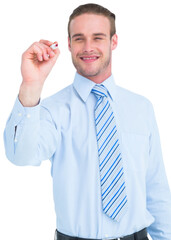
x=54 y=45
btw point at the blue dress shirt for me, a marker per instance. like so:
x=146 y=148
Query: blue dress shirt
x=61 y=128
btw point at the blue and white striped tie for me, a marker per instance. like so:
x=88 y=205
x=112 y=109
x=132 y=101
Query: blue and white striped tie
x=114 y=198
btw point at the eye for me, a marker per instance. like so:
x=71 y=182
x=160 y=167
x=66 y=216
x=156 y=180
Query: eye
x=98 y=38
x=78 y=39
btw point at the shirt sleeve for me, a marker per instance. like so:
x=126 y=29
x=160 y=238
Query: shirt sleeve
x=30 y=135
x=158 y=192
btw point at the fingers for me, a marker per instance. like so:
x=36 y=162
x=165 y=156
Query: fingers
x=46 y=42
x=42 y=51
x=52 y=45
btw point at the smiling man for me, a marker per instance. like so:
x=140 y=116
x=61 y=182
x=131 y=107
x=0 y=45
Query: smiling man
x=109 y=180
x=91 y=50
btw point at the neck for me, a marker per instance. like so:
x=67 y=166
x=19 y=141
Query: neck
x=98 y=79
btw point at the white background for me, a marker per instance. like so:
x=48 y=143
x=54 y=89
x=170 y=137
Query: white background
x=141 y=63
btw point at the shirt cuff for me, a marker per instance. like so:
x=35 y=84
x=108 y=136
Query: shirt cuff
x=19 y=112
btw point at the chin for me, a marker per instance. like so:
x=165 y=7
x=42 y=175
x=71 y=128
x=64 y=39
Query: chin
x=88 y=73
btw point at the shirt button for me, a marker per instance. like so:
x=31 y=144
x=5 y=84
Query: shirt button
x=15 y=140
x=28 y=115
x=19 y=114
x=106 y=235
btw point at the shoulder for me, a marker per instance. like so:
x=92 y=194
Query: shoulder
x=131 y=98
x=62 y=96
x=136 y=108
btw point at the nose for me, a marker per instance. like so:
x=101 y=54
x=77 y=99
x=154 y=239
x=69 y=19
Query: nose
x=88 y=47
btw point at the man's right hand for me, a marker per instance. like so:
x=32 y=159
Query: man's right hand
x=37 y=62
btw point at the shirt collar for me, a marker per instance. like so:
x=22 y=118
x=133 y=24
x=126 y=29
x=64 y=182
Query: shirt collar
x=83 y=86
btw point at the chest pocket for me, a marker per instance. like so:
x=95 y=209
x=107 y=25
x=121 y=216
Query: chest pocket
x=135 y=149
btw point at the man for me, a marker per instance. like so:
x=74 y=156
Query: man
x=108 y=174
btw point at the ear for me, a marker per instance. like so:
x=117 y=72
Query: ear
x=69 y=43
x=114 y=41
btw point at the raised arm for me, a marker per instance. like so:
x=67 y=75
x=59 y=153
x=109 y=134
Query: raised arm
x=30 y=135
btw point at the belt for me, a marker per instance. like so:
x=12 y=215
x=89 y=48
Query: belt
x=135 y=236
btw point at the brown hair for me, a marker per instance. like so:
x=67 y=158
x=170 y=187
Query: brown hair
x=96 y=9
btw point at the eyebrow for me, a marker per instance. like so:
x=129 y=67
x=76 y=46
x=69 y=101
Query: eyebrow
x=100 y=34
x=94 y=34
x=77 y=35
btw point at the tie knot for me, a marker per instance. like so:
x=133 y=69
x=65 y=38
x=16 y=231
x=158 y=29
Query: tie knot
x=99 y=90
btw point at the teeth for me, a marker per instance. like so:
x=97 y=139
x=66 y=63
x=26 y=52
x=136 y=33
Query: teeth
x=88 y=58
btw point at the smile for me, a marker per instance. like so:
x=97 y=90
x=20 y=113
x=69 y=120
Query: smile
x=89 y=58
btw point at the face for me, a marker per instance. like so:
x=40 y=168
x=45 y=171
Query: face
x=91 y=46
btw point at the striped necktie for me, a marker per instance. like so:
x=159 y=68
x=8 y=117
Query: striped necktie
x=114 y=198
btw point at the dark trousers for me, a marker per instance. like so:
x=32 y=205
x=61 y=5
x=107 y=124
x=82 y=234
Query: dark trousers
x=60 y=236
